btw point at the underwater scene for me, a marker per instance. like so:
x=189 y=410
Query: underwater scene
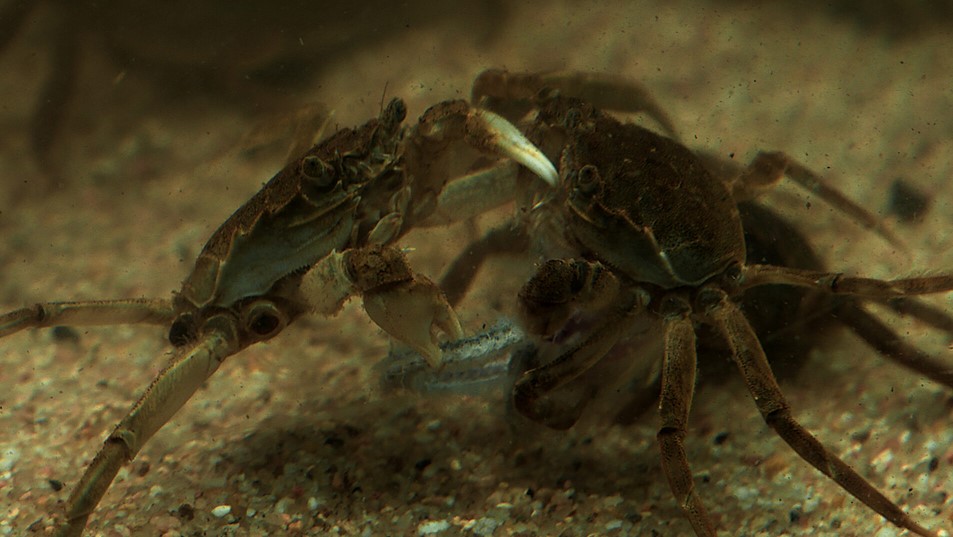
x=547 y=268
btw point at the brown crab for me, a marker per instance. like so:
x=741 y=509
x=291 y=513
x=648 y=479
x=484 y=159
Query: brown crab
x=321 y=230
x=641 y=230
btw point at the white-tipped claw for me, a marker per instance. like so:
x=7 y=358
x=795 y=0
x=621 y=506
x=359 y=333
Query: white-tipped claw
x=413 y=313
x=503 y=136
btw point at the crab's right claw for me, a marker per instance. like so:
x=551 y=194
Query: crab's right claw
x=408 y=306
x=493 y=132
x=413 y=312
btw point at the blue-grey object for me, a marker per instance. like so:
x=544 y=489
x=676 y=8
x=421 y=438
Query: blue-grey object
x=476 y=365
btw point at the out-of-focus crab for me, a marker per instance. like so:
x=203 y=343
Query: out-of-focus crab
x=322 y=230
x=643 y=236
x=247 y=54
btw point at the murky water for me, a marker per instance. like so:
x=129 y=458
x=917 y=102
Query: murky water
x=175 y=118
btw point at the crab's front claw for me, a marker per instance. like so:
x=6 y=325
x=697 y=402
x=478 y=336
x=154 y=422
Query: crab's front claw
x=406 y=305
x=412 y=312
x=486 y=132
x=492 y=132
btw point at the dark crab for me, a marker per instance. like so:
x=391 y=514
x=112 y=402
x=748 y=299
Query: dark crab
x=644 y=235
x=265 y=54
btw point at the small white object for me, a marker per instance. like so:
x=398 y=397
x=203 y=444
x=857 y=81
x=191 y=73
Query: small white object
x=9 y=459
x=431 y=527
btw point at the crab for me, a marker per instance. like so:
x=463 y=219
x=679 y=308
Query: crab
x=321 y=230
x=790 y=322
x=264 y=54
x=645 y=236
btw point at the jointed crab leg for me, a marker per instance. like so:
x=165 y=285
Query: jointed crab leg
x=474 y=194
x=88 y=313
x=753 y=365
x=839 y=284
x=675 y=403
x=769 y=167
x=167 y=393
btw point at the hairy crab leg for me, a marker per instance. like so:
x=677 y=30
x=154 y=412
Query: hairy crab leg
x=675 y=403
x=474 y=194
x=88 y=313
x=753 y=365
x=839 y=284
x=171 y=388
x=862 y=323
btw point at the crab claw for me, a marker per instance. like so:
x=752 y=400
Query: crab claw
x=406 y=305
x=413 y=312
x=484 y=128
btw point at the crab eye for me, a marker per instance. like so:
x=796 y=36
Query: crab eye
x=183 y=330
x=573 y=119
x=588 y=181
x=263 y=319
x=320 y=173
x=393 y=115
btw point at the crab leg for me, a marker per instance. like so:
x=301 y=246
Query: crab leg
x=888 y=343
x=753 y=365
x=837 y=283
x=89 y=313
x=769 y=167
x=457 y=278
x=474 y=194
x=675 y=403
x=167 y=393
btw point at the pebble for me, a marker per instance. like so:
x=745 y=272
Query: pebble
x=431 y=527
x=483 y=527
x=9 y=459
x=284 y=505
x=881 y=462
x=222 y=510
x=886 y=532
